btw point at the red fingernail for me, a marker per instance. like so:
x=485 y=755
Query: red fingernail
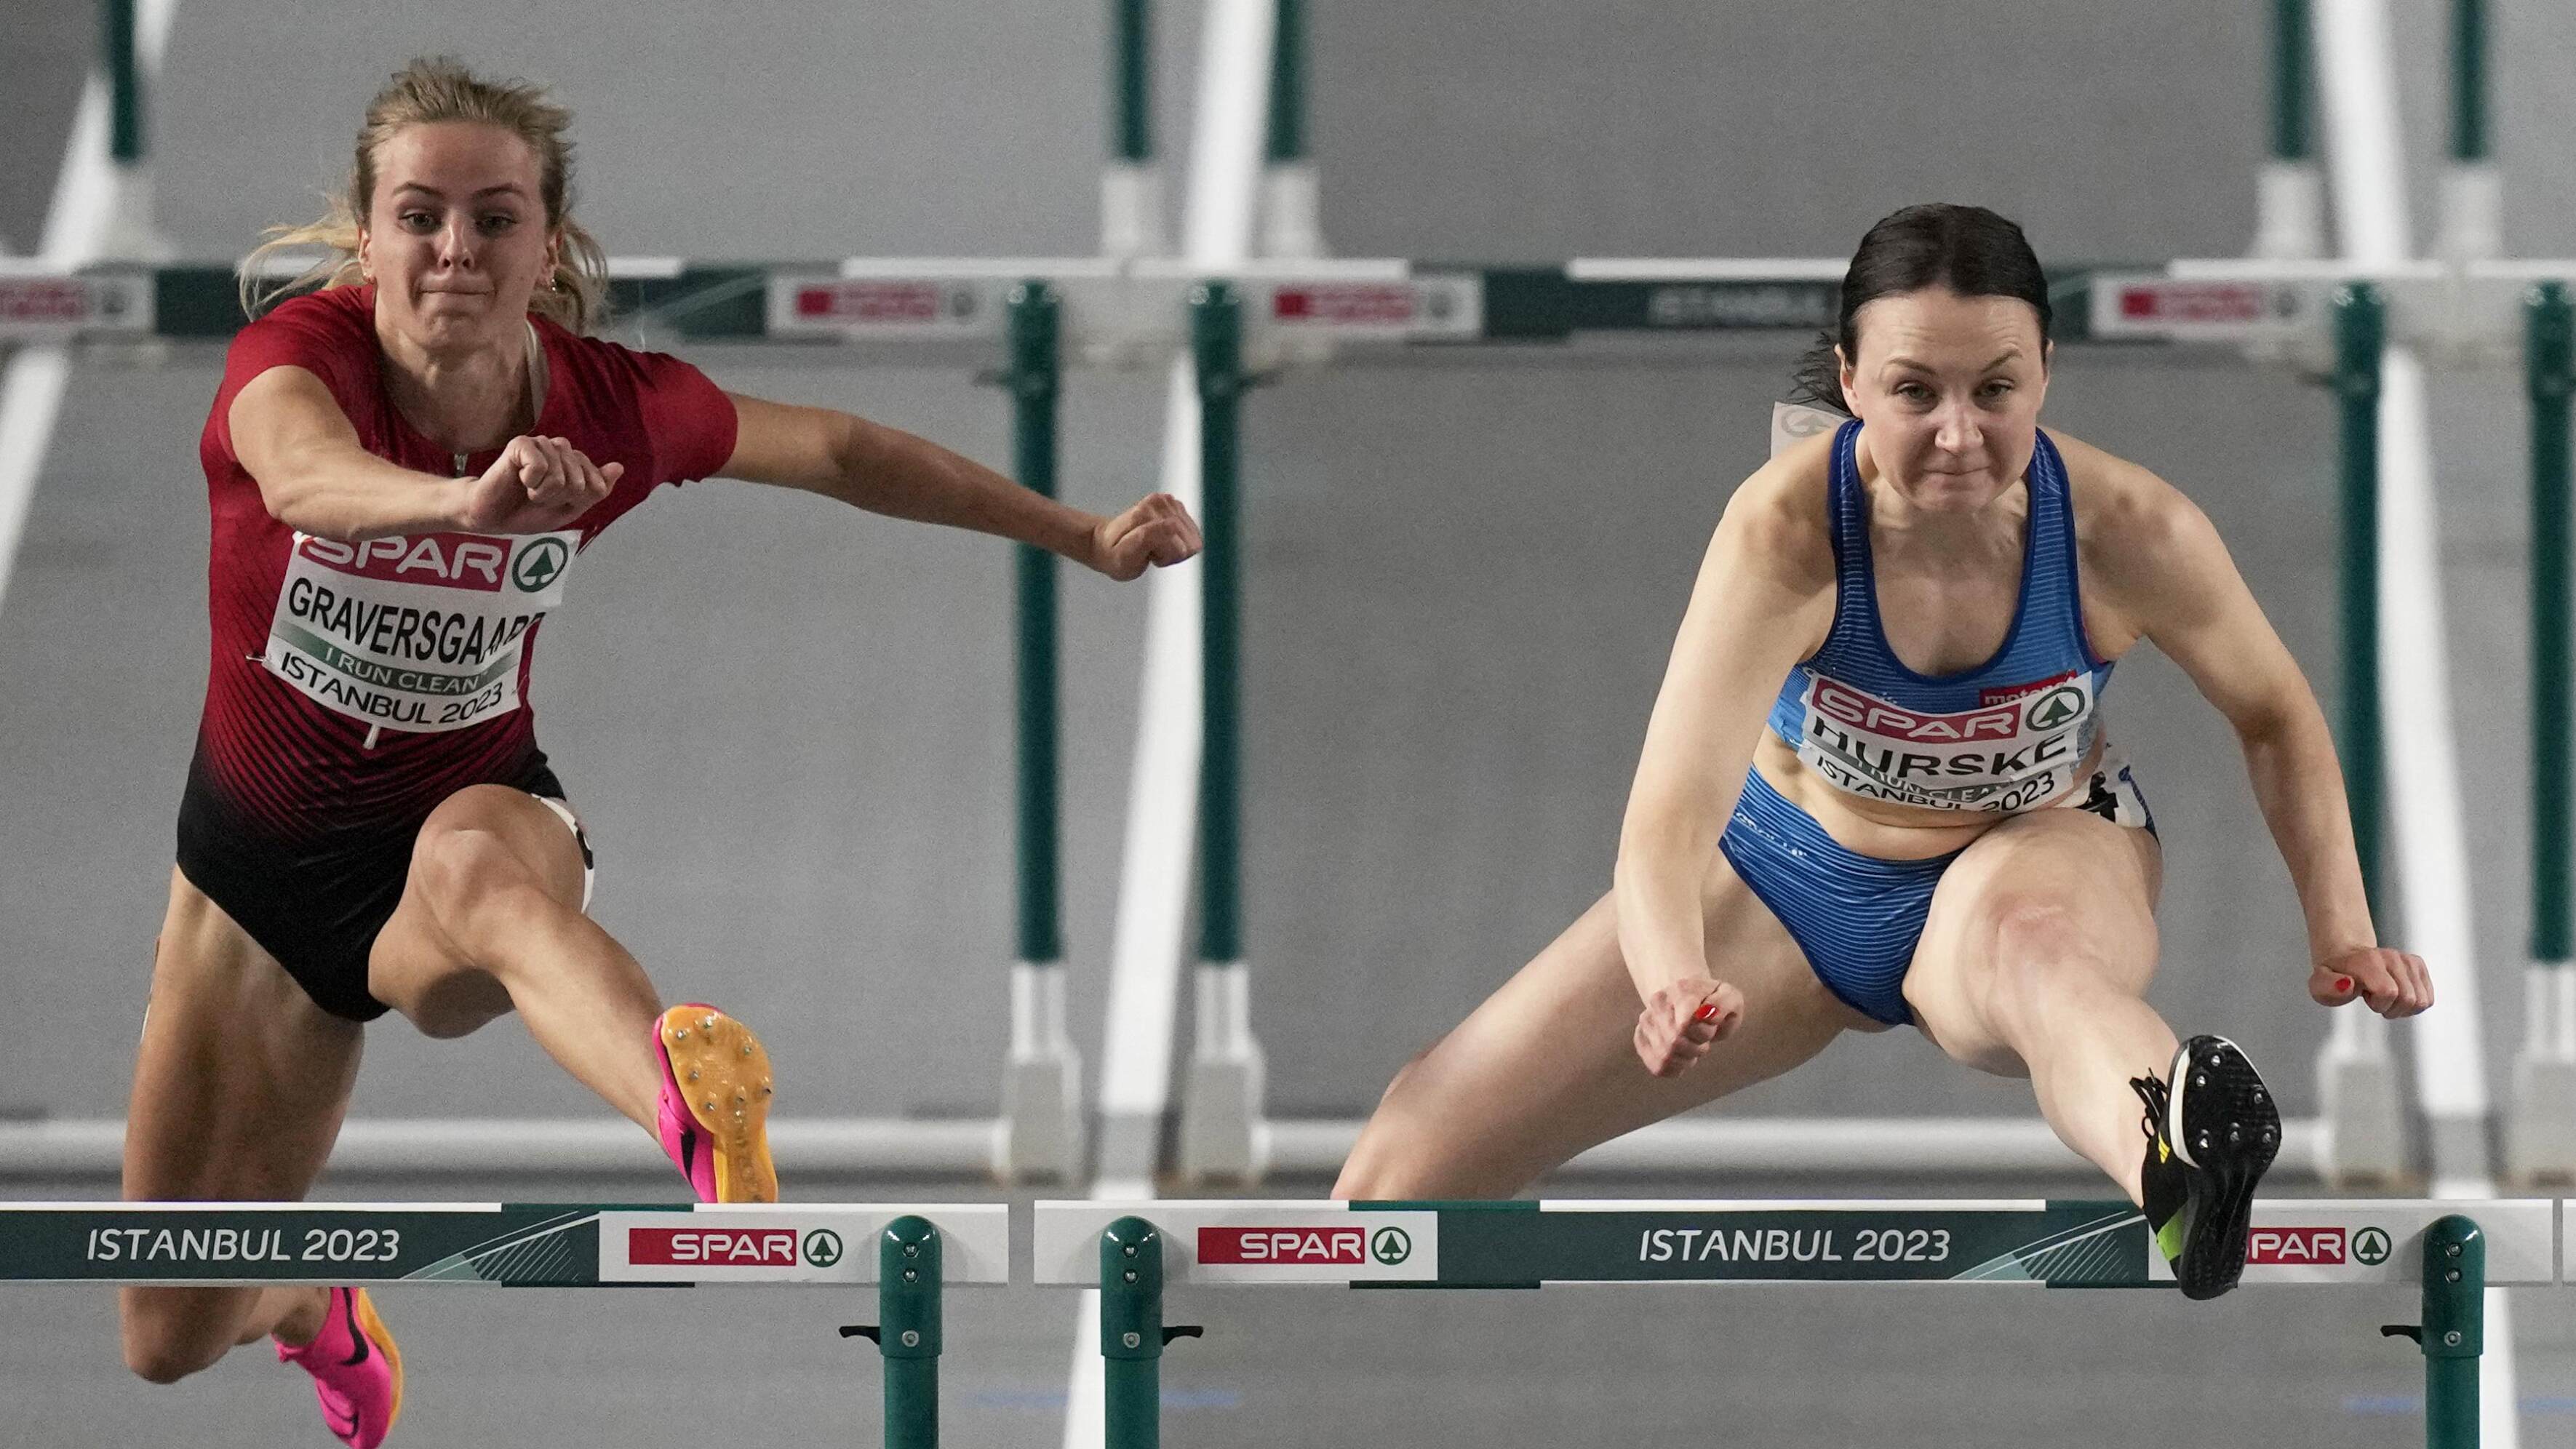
x=2343 y=983
x=1707 y=1011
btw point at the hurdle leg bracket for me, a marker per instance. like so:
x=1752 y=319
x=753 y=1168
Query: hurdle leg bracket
x=1223 y=1135
x=2363 y=1110
x=2540 y=1129
x=1041 y=1127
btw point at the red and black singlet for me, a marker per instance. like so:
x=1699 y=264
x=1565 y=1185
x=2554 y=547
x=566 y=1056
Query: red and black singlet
x=353 y=686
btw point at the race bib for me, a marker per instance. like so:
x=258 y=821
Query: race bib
x=2018 y=748
x=421 y=634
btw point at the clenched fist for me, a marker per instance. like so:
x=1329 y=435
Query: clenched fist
x=537 y=485
x=2392 y=983
x=1157 y=531
x=1682 y=1021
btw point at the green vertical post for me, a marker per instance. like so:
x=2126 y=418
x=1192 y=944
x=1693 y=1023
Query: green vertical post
x=124 y=81
x=1288 y=85
x=1131 y=1334
x=2454 y=1333
x=1216 y=341
x=2293 y=103
x=908 y=1331
x=2468 y=80
x=1034 y=383
x=2360 y=333
x=2549 y=377
x=1131 y=24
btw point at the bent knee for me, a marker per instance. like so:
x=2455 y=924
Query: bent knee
x=1401 y=1153
x=2043 y=950
x=166 y=1341
x=472 y=881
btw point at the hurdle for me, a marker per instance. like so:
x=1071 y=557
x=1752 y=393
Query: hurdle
x=1132 y=1251
x=920 y=1250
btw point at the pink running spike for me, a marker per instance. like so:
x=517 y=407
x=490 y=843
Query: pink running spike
x=689 y=1149
x=357 y=1371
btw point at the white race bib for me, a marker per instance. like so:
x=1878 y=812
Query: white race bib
x=421 y=634
x=2019 y=748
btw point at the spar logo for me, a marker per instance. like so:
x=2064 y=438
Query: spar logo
x=1861 y=710
x=888 y=302
x=1297 y=1247
x=540 y=564
x=450 y=560
x=731 y=1247
x=1391 y=1246
x=2314 y=1247
x=1380 y=303
x=2054 y=708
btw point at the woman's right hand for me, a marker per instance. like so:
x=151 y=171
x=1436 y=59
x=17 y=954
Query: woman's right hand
x=1682 y=1021
x=537 y=485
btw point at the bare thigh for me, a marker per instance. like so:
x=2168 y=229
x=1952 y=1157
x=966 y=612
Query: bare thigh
x=239 y=1090
x=428 y=963
x=1545 y=1067
x=2054 y=890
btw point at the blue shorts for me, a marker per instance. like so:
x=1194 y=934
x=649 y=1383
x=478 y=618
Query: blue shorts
x=1857 y=918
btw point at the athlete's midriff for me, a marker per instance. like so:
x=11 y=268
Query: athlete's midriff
x=1886 y=829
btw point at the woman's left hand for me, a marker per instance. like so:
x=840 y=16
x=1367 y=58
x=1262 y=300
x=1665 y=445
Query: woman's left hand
x=1156 y=532
x=2392 y=983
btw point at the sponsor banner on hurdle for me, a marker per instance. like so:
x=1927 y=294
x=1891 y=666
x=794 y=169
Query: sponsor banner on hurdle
x=927 y=308
x=2155 y=306
x=38 y=304
x=2362 y=1240
x=1428 y=307
x=1250 y=1241
x=519 y=1245
x=2058 y=1243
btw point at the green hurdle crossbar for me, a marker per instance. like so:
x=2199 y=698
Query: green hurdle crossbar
x=1131 y=1251
x=920 y=1251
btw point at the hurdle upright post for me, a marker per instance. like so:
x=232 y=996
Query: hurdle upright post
x=2453 y=1333
x=2472 y=187
x=1131 y=185
x=2540 y=1132
x=908 y=1329
x=2290 y=196
x=1132 y=1334
x=129 y=234
x=1222 y=1103
x=1041 y=1124
x=1291 y=196
x=2357 y=1076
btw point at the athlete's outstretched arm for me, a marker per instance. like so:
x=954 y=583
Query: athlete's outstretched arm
x=1763 y=601
x=314 y=474
x=2168 y=572
x=885 y=470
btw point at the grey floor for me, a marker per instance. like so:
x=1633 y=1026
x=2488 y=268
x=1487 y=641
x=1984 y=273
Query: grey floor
x=1462 y=584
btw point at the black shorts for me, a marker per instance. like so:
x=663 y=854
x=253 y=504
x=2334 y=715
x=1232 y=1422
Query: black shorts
x=316 y=903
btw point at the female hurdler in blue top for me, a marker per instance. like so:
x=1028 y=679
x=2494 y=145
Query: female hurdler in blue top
x=1876 y=789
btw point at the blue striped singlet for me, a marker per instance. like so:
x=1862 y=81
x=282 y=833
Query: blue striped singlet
x=2002 y=738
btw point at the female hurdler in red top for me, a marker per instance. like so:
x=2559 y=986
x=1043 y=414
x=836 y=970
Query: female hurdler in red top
x=404 y=468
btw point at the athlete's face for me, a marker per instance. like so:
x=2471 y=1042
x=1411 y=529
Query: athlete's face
x=456 y=238
x=1948 y=390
